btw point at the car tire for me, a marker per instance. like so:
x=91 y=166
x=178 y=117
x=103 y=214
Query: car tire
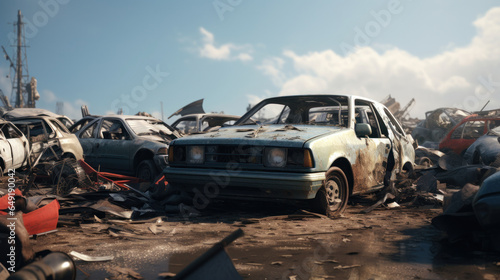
x=146 y=170
x=66 y=175
x=331 y=199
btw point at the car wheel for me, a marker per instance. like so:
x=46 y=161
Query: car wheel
x=146 y=170
x=331 y=199
x=66 y=175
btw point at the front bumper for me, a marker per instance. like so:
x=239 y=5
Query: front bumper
x=161 y=161
x=235 y=183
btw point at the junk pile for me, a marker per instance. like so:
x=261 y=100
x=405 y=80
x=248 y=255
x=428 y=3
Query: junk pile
x=468 y=193
x=70 y=193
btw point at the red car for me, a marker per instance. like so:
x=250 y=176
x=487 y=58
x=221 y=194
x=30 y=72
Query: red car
x=467 y=131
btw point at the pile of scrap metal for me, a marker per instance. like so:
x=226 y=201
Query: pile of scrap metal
x=436 y=176
x=402 y=115
x=436 y=125
x=40 y=204
x=469 y=194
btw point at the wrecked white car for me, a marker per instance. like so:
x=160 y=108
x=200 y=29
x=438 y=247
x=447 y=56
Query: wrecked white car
x=132 y=145
x=49 y=138
x=321 y=148
x=14 y=147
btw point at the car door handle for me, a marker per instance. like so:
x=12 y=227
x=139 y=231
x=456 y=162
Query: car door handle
x=97 y=145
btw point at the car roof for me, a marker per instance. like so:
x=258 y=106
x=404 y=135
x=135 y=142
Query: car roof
x=126 y=117
x=210 y=115
x=348 y=96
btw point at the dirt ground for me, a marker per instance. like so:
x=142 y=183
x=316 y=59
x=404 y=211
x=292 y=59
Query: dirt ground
x=280 y=242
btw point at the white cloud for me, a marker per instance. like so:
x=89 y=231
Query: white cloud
x=465 y=77
x=273 y=67
x=227 y=51
x=48 y=96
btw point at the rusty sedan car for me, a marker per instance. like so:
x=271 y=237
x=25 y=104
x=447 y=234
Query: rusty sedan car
x=131 y=145
x=321 y=148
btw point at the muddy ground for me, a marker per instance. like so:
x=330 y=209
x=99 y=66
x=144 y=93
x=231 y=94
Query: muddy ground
x=280 y=242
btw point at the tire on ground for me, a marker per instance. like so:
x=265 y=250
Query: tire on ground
x=66 y=175
x=331 y=199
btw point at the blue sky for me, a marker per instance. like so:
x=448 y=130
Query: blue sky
x=136 y=54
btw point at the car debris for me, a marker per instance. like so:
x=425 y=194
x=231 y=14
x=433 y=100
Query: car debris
x=214 y=262
x=467 y=131
x=194 y=119
x=88 y=258
x=200 y=123
x=130 y=145
x=332 y=154
x=485 y=150
x=436 y=125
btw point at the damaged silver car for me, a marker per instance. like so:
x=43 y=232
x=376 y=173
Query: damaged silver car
x=321 y=148
x=131 y=145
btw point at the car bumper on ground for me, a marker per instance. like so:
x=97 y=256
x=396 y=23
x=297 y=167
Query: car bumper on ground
x=234 y=183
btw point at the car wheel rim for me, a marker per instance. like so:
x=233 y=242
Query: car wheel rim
x=145 y=174
x=333 y=194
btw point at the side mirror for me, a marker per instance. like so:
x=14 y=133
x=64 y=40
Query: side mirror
x=498 y=139
x=362 y=129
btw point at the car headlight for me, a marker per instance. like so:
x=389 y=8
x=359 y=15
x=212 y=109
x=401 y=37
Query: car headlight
x=275 y=157
x=195 y=154
x=162 y=151
x=176 y=153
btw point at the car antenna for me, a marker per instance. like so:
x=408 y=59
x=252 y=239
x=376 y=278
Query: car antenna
x=484 y=106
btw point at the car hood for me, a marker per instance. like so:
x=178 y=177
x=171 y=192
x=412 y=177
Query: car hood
x=155 y=138
x=295 y=135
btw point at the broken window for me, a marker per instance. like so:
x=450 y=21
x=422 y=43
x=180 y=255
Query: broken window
x=187 y=126
x=314 y=110
x=59 y=126
x=395 y=125
x=363 y=113
x=89 y=131
x=473 y=130
x=36 y=130
x=10 y=132
x=113 y=130
x=457 y=133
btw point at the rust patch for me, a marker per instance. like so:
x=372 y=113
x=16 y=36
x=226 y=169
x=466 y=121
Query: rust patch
x=370 y=167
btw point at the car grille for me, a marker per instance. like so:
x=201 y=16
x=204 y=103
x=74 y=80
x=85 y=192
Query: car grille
x=245 y=154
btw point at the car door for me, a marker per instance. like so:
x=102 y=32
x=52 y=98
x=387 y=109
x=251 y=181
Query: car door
x=18 y=144
x=5 y=152
x=88 y=138
x=113 y=145
x=403 y=149
x=374 y=153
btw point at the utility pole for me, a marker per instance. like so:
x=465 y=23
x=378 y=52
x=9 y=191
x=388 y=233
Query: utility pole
x=19 y=63
x=23 y=91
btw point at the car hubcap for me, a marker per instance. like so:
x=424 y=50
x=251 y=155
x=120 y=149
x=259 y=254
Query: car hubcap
x=333 y=194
